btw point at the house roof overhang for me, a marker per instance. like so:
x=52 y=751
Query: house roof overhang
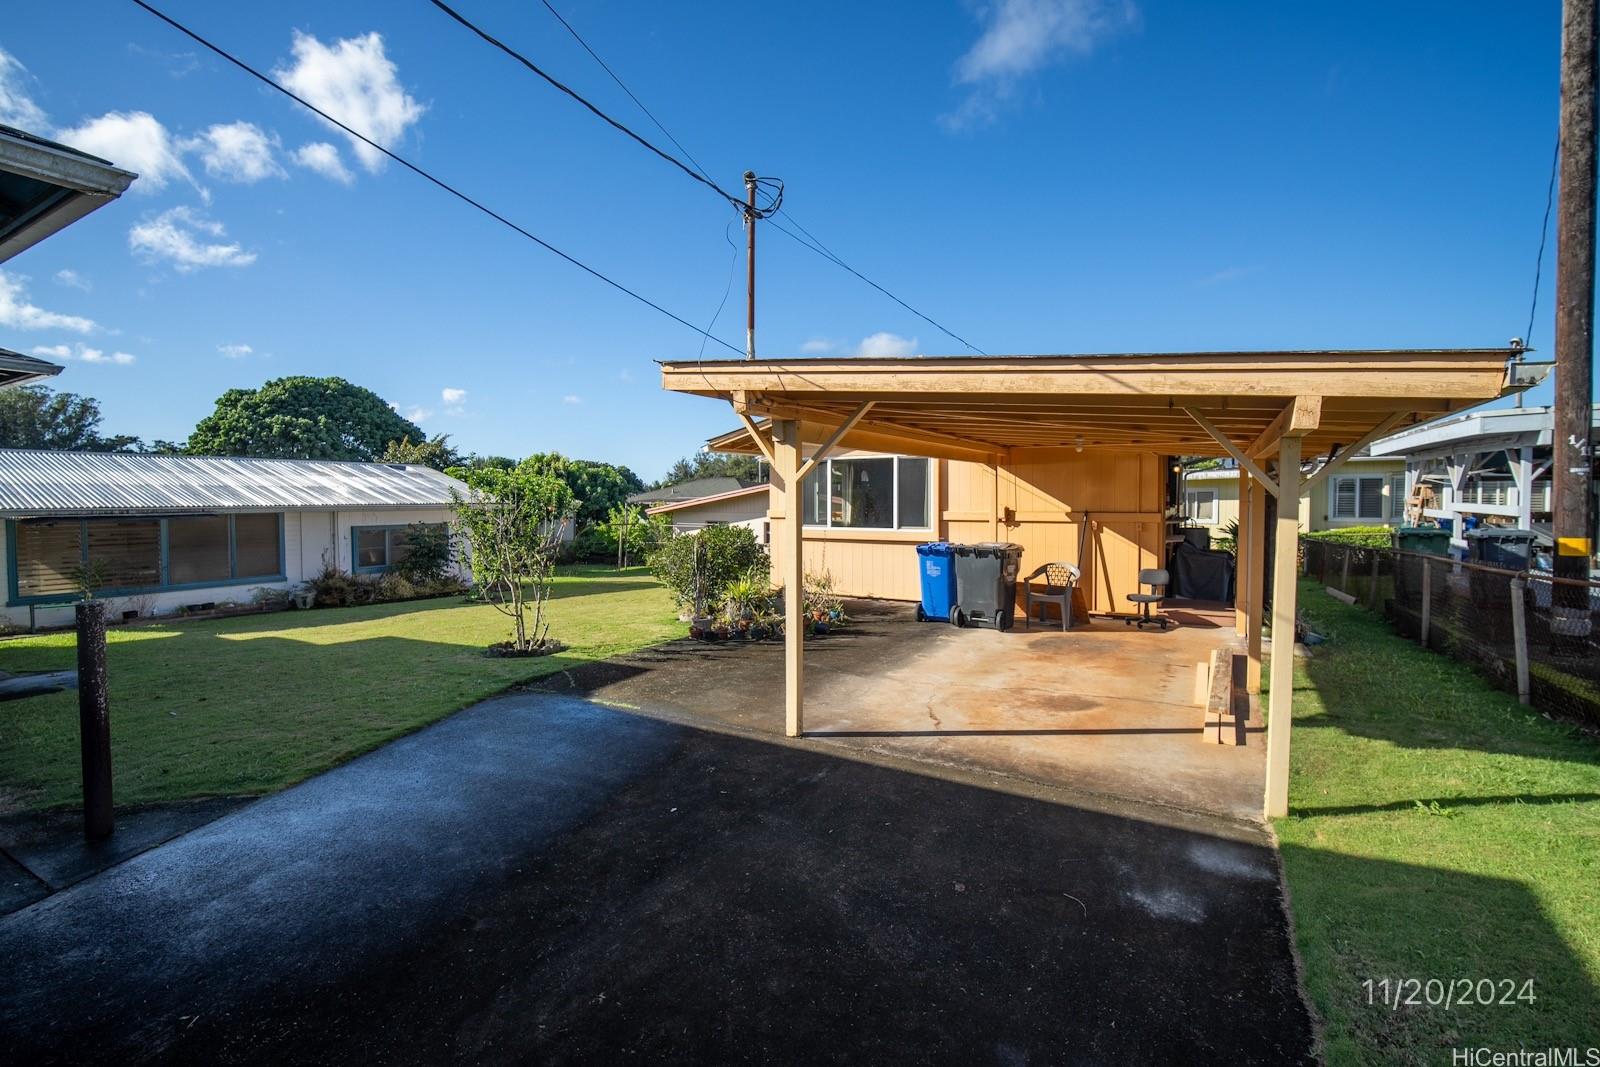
x=981 y=407
x=18 y=369
x=701 y=501
x=45 y=187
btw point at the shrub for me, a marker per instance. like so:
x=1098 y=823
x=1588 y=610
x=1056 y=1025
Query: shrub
x=428 y=556
x=1356 y=536
x=598 y=542
x=699 y=567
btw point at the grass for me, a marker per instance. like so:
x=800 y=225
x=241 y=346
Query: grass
x=253 y=704
x=1437 y=829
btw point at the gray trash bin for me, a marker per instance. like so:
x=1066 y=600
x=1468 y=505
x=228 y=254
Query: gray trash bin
x=986 y=584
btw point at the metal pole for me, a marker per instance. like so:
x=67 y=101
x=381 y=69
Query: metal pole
x=750 y=265
x=94 y=719
x=1575 y=214
x=1519 y=635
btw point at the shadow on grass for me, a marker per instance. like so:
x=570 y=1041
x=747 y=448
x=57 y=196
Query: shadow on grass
x=1360 y=919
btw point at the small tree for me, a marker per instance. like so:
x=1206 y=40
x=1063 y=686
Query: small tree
x=428 y=554
x=699 y=567
x=512 y=523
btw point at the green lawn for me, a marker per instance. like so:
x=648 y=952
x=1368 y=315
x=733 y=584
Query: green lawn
x=253 y=704
x=1437 y=830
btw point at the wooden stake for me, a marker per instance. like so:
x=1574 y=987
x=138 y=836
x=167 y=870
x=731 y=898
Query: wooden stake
x=1427 y=598
x=1519 y=635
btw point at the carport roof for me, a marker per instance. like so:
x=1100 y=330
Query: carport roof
x=976 y=407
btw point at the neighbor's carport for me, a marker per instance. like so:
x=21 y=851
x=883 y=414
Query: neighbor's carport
x=1269 y=411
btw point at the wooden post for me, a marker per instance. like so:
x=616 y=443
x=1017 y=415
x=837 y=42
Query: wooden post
x=1344 y=570
x=1372 y=586
x=787 y=461
x=1241 y=549
x=1255 y=575
x=1519 y=636
x=1427 y=598
x=94 y=719
x=1280 y=708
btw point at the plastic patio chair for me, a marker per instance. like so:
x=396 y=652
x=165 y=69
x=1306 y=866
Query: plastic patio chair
x=1156 y=579
x=1059 y=579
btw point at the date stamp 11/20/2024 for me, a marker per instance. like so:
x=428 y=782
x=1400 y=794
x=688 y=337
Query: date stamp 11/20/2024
x=1448 y=993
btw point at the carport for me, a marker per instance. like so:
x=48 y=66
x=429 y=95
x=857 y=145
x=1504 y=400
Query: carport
x=1272 y=412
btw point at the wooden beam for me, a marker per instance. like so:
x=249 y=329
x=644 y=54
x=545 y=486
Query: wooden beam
x=827 y=446
x=1241 y=546
x=1344 y=454
x=1280 y=713
x=756 y=435
x=1298 y=417
x=1234 y=450
x=1255 y=586
x=792 y=567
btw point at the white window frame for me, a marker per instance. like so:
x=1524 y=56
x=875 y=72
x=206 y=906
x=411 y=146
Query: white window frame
x=1355 y=480
x=1189 y=509
x=824 y=470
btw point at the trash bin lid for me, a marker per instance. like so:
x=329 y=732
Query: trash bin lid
x=1501 y=533
x=936 y=548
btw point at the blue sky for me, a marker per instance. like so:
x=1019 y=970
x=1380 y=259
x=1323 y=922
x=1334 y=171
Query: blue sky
x=1039 y=175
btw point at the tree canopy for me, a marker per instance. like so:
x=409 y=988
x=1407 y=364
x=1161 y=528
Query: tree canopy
x=302 y=417
x=35 y=416
x=714 y=465
x=598 y=487
x=435 y=452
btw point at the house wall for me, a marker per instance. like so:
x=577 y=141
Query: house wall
x=1316 y=511
x=1102 y=511
x=309 y=538
x=749 y=511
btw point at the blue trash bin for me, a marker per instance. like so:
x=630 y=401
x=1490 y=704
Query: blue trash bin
x=936 y=563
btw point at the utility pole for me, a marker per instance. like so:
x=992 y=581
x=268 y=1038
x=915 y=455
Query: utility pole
x=750 y=265
x=1572 y=468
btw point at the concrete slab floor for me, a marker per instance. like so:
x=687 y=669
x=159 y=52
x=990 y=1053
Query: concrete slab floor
x=1102 y=708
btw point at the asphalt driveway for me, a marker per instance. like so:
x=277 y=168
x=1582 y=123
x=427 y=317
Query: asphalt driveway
x=543 y=878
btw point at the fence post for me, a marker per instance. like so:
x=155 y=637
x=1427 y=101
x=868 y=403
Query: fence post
x=1372 y=587
x=94 y=719
x=1344 y=571
x=1427 y=597
x=1519 y=636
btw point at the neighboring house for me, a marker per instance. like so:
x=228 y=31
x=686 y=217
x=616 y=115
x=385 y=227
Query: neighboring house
x=158 y=533
x=1494 y=465
x=745 y=506
x=1366 y=491
x=694 y=489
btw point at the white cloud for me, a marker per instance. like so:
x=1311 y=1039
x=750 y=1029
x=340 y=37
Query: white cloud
x=237 y=152
x=885 y=343
x=72 y=279
x=133 y=140
x=452 y=396
x=817 y=346
x=17 y=312
x=179 y=234
x=419 y=414
x=84 y=354
x=16 y=106
x=356 y=83
x=1022 y=37
x=322 y=157
x=235 y=351
x=572 y=398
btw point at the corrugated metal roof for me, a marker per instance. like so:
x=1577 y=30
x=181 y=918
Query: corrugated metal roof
x=83 y=483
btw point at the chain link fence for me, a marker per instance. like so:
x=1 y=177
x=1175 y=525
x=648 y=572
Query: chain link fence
x=1530 y=633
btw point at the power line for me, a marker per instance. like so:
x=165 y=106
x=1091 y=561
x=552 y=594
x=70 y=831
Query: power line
x=490 y=39
x=441 y=183
x=814 y=244
x=1544 y=234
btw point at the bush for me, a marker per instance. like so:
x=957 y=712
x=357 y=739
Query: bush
x=699 y=567
x=1356 y=536
x=598 y=541
x=334 y=588
x=428 y=556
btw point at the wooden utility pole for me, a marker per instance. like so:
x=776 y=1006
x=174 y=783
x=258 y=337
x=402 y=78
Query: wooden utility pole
x=1575 y=220
x=94 y=719
x=750 y=265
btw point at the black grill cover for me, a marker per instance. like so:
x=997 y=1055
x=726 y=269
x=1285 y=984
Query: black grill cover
x=1201 y=574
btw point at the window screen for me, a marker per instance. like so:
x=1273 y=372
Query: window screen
x=48 y=557
x=1397 y=496
x=197 y=549
x=256 y=552
x=1370 y=501
x=863 y=493
x=1344 y=498
x=913 y=492
x=372 y=547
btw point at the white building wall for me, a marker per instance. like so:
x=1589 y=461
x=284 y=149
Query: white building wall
x=309 y=538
